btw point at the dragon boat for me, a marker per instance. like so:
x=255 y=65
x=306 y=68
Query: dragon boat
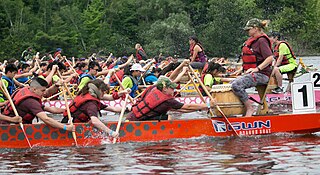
x=271 y=99
x=41 y=135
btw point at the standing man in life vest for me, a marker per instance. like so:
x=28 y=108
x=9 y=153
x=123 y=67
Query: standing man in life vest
x=257 y=58
x=197 y=55
x=29 y=105
x=157 y=100
x=285 y=59
x=7 y=79
x=93 y=69
x=140 y=53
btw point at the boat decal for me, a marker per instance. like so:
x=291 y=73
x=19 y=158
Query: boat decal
x=249 y=128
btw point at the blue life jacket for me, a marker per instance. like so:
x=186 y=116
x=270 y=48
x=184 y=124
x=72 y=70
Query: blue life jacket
x=86 y=75
x=11 y=87
x=134 y=87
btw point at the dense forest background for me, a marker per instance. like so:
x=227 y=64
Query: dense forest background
x=81 y=27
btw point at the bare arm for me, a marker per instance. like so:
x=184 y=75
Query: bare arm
x=54 y=110
x=97 y=123
x=53 y=123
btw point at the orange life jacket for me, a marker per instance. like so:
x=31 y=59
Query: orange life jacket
x=285 y=60
x=76 y=104
x=151 y=99
x=248 y=56
x=119 y=74
x=17 y=98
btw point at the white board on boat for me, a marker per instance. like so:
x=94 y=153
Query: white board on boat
x=315 y=78
x=303 y=97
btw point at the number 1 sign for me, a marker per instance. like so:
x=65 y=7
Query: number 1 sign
x=303 y=98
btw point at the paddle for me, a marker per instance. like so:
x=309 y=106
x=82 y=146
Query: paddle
x=121 y=115
x=121 y=86
x=211 y=98
x=65 y=84
x=69 y=116
x=6 y=93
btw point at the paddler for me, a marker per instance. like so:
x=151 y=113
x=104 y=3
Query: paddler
x=87 y=105
x=257 y=57
x=28 y=103
x=157 y=100
x=285 y=59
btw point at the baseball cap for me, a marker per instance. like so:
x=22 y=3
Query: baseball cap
x=137 y=66
x=254 y=22
x=164 y=81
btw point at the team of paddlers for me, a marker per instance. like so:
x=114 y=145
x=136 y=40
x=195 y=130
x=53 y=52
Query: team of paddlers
x=149 y=83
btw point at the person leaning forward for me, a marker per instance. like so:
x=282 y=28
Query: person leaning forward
x=257 y=58
x=87 y=105
x=157 y=100
x=29 y=105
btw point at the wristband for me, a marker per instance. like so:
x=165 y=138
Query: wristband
x=258 y=68
x=107 y=76
x=110 y=133
x=65 y=127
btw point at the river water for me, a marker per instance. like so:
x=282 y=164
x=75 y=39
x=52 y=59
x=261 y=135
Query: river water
x=272 y=154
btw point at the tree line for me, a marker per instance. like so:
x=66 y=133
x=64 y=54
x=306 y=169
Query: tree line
x=160 y=26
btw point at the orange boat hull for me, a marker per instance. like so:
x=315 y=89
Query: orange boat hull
x=42 y=135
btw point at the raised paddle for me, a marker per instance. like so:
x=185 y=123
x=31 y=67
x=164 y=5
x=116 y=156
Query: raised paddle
x=121 y=116
x=69 y=116
x=65 y=85
x=211 y=98
x=6 y=93
x=121 y=86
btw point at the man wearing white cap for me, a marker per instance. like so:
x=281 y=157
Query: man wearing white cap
x=131 y=81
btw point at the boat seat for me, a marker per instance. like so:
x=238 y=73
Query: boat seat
x=290 y=76
x=262 y=91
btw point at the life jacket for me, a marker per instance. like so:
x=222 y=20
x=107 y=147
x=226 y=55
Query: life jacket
x=76 y=104
x=113 y=79
x=11 y=87
x=285 y=59
x=201 y=57
x=249 y=58
x=151 y=99
x=86 y=75
x=18 y=97
x=134 y=88
x=139 y=57
x=22 y=79
x=55 y=55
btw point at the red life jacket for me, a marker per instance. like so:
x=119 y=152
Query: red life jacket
x=201 y=57
x=151 y=99
x=285 y=60
x=119 y=74
x=204 y=71
x=76 y=104
x=17 y=98
x=139 y=57
x=248 y=56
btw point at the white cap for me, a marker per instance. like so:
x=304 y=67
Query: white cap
x=138 y=67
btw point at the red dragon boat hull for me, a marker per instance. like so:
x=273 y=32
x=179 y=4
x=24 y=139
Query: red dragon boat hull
x=42 y=135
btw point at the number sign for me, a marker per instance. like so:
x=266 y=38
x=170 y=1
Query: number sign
x=303 y=98
x=315 y=78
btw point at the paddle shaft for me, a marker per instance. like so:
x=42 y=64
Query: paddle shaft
x=199 y=92
x=211 y=98
x=6 y=93
x=65 y=84
x=121 y=116
x=121 y=86
x=69 y=116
